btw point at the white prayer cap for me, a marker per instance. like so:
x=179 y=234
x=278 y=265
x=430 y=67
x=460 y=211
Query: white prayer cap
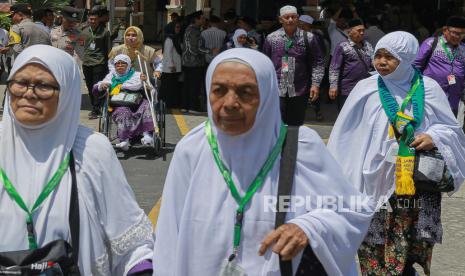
x=287 y=10
x=306 y=18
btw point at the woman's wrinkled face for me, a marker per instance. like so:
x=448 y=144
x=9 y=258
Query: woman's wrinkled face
x=29 y=109
x=242 y=39
x=384 y=62
x=234 y=98
x=121 y=67
x=131 y=38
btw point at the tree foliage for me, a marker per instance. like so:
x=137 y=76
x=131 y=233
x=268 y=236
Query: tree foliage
x=45 y=4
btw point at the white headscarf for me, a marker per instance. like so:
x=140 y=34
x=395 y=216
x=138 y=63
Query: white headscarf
x=115 y=234
x=236 y=35
x=124 y=58
x=38 y=150
x=195 y=228
x=265 y=131
x=359 y=140
x=404 y=47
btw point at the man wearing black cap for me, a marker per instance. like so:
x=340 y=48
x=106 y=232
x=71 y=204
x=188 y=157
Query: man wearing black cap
x=67 y=37
x=351 y=62
x=442 y=58
x=24 y=32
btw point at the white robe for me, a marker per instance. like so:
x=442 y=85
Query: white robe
x=195 y=228
x=359 y=140
x=115 y=234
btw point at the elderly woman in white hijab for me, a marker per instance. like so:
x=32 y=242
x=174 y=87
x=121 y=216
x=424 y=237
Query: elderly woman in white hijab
x=40 y=137
x=212 y=170
x=240 y=40
x=387 y=119
x=135 y=120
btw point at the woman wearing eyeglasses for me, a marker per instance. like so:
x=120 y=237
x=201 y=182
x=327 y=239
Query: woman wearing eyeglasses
x=65 y=205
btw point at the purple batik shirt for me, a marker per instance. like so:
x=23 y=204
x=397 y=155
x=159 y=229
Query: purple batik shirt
x=297 y=80
x=346 y=68
x=439 y=67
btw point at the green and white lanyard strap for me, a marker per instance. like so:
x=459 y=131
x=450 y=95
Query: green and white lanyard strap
x=254 y=186
x=48 y=189
x=450 y=56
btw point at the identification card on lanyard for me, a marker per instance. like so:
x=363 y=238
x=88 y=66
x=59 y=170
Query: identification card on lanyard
x=92 y=46
x=231 y=269
x=285 y=64
x=451 y=79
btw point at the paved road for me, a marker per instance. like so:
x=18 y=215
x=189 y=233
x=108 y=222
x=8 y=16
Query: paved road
x=146 y=175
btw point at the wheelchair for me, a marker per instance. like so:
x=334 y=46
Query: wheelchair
x=158 y=112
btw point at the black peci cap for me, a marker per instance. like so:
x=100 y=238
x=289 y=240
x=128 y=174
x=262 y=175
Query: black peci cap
x=22 y=8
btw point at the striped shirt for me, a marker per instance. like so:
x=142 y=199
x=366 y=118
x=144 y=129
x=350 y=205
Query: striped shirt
x=214 y=38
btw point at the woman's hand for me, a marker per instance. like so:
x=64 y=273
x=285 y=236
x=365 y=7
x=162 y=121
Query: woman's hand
x=143 y=77
x=104 y=86
x=288 y=239
x=423 y=142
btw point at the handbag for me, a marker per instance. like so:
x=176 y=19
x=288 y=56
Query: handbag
x=126 y=98
x=430 y=172
x=55 y=258
x=309 y=264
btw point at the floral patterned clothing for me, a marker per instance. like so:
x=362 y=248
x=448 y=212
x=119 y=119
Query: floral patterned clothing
x=401 y=234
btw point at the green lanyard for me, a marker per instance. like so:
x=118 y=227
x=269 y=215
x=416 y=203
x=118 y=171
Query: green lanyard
x=48 y=189
x=448 y=53
x=254 y=186
x=408 y=98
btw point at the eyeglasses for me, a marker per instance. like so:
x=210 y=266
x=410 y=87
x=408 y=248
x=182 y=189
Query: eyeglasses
x=455 y=33
x=120 y=63
x=42 y=90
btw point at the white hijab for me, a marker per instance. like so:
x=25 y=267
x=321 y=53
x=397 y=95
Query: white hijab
x=195 y=228
x=359 y=140
x=115 y=234
x=236 y=35
x=31 y=154
x=263 y=135
x=124 y=58
x=404 y=47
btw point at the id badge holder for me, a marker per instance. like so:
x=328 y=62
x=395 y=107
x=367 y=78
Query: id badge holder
x=92 y=46
x=285 y=64
x=402 y=121
x=451 y=79
x=231 y=268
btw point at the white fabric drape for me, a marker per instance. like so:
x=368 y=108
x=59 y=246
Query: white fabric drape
x=195 y=228
x=115 y=234
x=359 y=140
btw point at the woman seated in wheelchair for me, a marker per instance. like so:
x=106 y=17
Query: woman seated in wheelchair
x=130 y=110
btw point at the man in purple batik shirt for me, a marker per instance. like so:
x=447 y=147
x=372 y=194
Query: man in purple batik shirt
x=446 y=63
x=351 y=63
x=299 y=69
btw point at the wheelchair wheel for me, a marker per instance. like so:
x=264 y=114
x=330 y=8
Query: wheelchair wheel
x=156 y=145
x=104 y=126
x=162 y=122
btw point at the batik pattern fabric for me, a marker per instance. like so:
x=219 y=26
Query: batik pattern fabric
x=402 y=232
x=303 y=70
x=440 y=67
x=346 y=68
x=133 y=121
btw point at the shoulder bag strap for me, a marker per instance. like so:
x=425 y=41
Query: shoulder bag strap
x=308 y=53
x=361 y=58
x=286 y=179
x=74 y=210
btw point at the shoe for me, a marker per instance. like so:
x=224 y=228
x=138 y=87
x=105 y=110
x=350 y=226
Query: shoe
x=124 y=146
x=319 y=117
x=94 y=115
x=183 y=110
x=146 y=140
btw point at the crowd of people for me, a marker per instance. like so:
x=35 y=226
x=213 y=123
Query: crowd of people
x=396 y=139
